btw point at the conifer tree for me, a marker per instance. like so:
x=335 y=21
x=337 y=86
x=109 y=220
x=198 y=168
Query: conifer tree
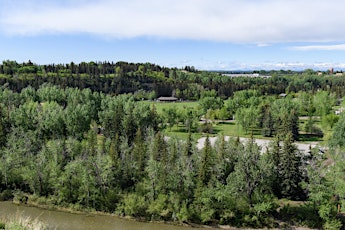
x=289 y=175
x=139 y=155
x=206 y=164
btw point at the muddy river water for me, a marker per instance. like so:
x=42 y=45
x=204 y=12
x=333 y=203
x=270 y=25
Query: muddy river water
x=65 y=221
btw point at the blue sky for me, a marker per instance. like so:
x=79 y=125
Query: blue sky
x=207 y=34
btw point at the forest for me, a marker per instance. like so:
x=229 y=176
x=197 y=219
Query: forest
x=80 y=136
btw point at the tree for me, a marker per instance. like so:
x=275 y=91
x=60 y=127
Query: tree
x=247 y=117
x=212 y=103
x=288 y=169
x=129 y=125
x=50 y=121
x=77 y=120
x=228 y=153
x=324 y=101
x=329 y=121
x=191 y=119
x=3 y=128
x=206 y=165
x=139 y=156
x=251 y=174
x=285 y=115
x=266 y=122
x=338 y=137
x=43 y=170
x=306 y=104
x=111 y=115
x=170 y=116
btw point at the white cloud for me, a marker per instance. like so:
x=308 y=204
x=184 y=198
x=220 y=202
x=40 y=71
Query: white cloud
x=253 y=21
x=320 y=47
x=297 y=66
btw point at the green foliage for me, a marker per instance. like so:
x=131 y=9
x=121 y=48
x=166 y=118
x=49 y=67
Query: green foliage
x=329 y=120
x=338 y=137
x=285 y=116
x=213 y=103
x=251 y=173
x=247 y=117
x=133 y=205
x=82 y=148
x=288 y=173
x=324 y=101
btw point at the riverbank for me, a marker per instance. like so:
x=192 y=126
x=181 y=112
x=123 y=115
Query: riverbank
x=61 y=218
x=18 y=221
x=26 y=200
x=93 y=216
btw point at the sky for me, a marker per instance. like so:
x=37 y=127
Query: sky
x=206 y=34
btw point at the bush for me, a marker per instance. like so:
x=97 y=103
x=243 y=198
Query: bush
x=6 y=195
x=159 y=208
x=316 y=131
x=20 y=197
x=206 y=128
x=133 y=205
x=332 y=225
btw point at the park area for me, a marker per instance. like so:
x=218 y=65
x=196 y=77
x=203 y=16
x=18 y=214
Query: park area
x=228 y=127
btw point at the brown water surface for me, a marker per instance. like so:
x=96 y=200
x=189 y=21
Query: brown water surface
x=65 y=221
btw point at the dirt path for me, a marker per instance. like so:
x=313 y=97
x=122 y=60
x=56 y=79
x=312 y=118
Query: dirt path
x=263 y=143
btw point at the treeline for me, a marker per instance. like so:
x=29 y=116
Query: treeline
x=88 y=150
x=187 y=83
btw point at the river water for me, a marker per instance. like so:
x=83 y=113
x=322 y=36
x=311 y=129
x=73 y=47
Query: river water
x=68 y=221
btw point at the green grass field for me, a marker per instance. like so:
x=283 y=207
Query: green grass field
x=160 y=106
x=226 y=128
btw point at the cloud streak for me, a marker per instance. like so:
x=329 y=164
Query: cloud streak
x=245 y=21
x=337 y=47
x=298 y=66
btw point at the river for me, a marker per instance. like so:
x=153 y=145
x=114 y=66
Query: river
x=69 y=221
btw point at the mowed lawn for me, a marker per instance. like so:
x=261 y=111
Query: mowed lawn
x=160 y=106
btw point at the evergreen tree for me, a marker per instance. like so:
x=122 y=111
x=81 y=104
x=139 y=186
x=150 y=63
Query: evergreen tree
x=139 y=155
x=266 y=121
x=206 y=165
x=288 y=163
x=188 y=147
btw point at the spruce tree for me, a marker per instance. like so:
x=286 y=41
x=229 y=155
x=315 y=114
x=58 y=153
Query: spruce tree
x=290 y=170
x=206 y=164
x=139 y=155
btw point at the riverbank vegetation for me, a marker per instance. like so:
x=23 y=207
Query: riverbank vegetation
x=20 y=222
x=80 y=136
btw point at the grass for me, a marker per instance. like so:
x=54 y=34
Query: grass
x=298 y=213
x=20 y=222
x=228 y=128
x=161 y=106
x=180 y=133
x=307 y=137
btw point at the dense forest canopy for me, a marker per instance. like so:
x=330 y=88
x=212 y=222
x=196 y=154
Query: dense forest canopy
x=79 y=135
x=187 y=83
